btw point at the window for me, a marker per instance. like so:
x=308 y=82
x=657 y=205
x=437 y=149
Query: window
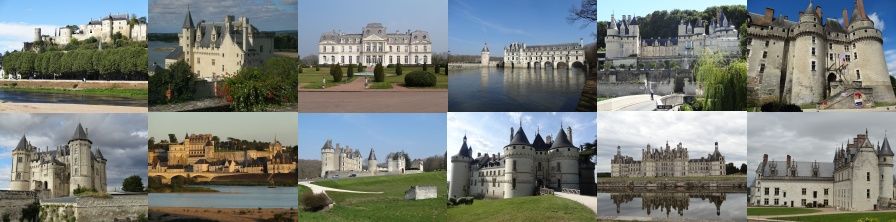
x=855 y=55
x=766 y=43
x=514 y=164
x=804 y=191
x=814 y=194
x=813 y=65
x=867 y=174
x=513 y=181
x=19 y=160
x=831 y=56
x=764 y=54
x=803 y=202
x=813 y=50
x=825 y=191
x=762 y=68
x=868 y=193
x=776 y=191
x=825 y=202
x=765 y=201
x=776 y=201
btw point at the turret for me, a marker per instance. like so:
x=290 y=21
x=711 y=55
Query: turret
x=460 y=171
x=869 y=65
x=328 y=158
x=81 y=160
x=484 y=56
x=519 y=174
x=37 y=34
x=563 y=162
x=885 y=165
x=371 y=162
x=21 y=165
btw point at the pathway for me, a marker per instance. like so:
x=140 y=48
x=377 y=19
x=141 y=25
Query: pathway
x=320 y=189
x=373 y=101
x=588 y=201
x=630 y=103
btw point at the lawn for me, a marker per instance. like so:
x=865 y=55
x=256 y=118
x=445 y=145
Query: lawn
x=880 y=216
x=532 y=208
x=311 y=79
x=772 y=211
x=389 y=206
x=138 y=94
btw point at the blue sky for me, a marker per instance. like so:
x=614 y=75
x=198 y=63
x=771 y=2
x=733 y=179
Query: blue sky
x=490 y=132
x=878 y=11
x=120 y=137
x=419 y=134
x=350 y=16
x=19 y=18
x=500 y=22
x=167 y=16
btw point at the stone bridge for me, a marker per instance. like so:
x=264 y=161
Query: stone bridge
x=196 y=176
x=566 y=55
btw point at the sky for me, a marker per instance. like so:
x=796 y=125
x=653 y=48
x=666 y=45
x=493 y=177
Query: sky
x=167 y=16
x=246 y=126
x=878 y=11
x=501 y=22
x=810 y=136
x=350 y=16
x=19 y=18
x=488 y=133
x=120 y=137
x=421 y=135
x=697 y=131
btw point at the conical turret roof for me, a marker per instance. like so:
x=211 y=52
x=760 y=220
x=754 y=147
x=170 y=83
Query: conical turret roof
x=372 y=155
x=23 y=144
x=188 y=20
x=885 y=148
x=519 y=138
x=562 y=140
x=79 y=134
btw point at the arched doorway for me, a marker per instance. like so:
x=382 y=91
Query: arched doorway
x=831 y=81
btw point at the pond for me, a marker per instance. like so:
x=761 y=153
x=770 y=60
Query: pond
x=508 y=90
x=230 y=197
x=673 y=206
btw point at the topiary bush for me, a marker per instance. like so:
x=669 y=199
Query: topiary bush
x=420 y=79
x=398 y=69
x=314 y=202
x=336 y=72
x=317 y=68
x=351 y=71
x=378 y=75
x=424 y=66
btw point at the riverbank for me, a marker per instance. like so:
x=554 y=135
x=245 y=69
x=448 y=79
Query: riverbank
x=136 y=94
x=73 y=84
x=221 y=214
x=67 y=108
x=588 y=99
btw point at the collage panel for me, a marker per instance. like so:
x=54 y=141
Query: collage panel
x=223 y=56
x=504 y=62
x=91 y=61
x=372 y=167
x=662 y=56
x=377 y=56
x=73 y=167
x=225 y=167
x=820 y=56
x=549 y=177
x=821 y=167
x=700 y=174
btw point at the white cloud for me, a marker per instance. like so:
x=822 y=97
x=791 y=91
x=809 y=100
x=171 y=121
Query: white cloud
x=879 y=24
x=142 y=134
x=890 y=57
x=13 y=34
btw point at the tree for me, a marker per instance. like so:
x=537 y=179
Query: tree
x=351 y=71
x=378 y=75
x=132 y=184
x=586 y=12
x=424 y=66
x=336 y=73
x=724 y=86
x=398 y=69
x=743 y=168
x=731 y=169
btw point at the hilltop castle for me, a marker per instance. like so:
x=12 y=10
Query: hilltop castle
x=59 y=172
x=523 y=168
x=860 y=178
x=101 y=29
x=216 y=50
x=817 y=59
x=668 y=162
x=337 y=160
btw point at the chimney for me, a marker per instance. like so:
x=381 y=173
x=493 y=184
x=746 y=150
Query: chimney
x=818 y=11
x=769 y=14
x=845 y=18
x=764 y=158
x=788 y=160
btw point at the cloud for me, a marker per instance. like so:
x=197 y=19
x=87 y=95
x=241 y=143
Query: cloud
x=13 y=35
x=879 y=24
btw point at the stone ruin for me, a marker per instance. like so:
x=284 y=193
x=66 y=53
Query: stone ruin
x=420 y=193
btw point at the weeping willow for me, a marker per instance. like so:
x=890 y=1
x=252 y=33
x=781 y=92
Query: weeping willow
x=724 y=85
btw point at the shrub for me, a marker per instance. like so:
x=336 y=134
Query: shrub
x=315 y=202
x=351 y=71
x=398 y=69
x=378 y=75
x=177 y=79
x=420 y=79
x=336 y=72
x=424 y=66
x=132 y=184
x=317 y=68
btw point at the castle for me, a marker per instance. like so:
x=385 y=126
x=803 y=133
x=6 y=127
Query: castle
x=375 y=45
x=58 y=173
x=206 y=153
x=523 y=168
x=626 y=47
x=337 y=160
x=102 y=30
x=859 y=178
x=216 y=50
x=566 y=55
x=668 y=162
x=816 y=59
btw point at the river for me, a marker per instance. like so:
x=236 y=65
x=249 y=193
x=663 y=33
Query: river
x=507 y=90
x=230 y=197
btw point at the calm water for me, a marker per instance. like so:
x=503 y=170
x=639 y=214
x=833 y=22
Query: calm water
x=671 y=206
x=532 y=90
x=158 y=50
x=230 y=197
x=38 y=97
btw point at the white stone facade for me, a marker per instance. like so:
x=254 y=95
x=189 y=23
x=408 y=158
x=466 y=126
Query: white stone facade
x=375 y=45
x=59 y=172
x=668 y=162
x=522 y=169
x=101 y=29
x=338 y=160
x=520 y=55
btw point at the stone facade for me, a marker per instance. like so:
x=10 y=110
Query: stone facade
x=520 y=55
x=375 y=45
x=815 y=59
x=338 y=161
x=201 y=153
x=216 y=50
x=860 y=178
x=58 y=172
x=101 y=29
x=421 y=193
x=128 y=207
x=13 y=202
x=668 y=162
x=523 y=168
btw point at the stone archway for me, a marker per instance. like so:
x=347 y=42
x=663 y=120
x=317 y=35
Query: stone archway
x=548 y=65
x=562 y=65
x=578 y=64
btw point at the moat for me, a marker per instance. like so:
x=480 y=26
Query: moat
x=520 y=89
x=230 y=197
x=16 y=96
x=673 y=205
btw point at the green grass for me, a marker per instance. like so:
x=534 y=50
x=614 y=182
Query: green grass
x=310 y=79
x=880 y=216
x=533 y=208
x=389 y=206
x=773 y=211
x=127 y=93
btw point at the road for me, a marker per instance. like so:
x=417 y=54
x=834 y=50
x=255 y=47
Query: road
x=320 y=189
x=629 y=103
x=373 y=101
x=588 y=201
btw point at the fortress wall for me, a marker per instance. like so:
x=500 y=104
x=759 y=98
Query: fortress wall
x=12 y=203
x=119 y=207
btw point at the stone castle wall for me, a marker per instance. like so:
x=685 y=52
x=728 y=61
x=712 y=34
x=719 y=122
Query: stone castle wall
x=12 y=203
x=421 y=193
x=117 y=208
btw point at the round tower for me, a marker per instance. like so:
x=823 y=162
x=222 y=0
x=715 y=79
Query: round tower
x=808 y=66
x=563 y=163
x=21 y=166
x=868 y=66
x=37 y=34
x=327 y=157
x=519 y=176
x=885 y=165
x=371 y=162
x=484 y=56
x=81 y=161
x=460 y=172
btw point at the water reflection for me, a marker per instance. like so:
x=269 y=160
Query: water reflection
x=713 y=205
x=514 y=89
x=667 y=202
